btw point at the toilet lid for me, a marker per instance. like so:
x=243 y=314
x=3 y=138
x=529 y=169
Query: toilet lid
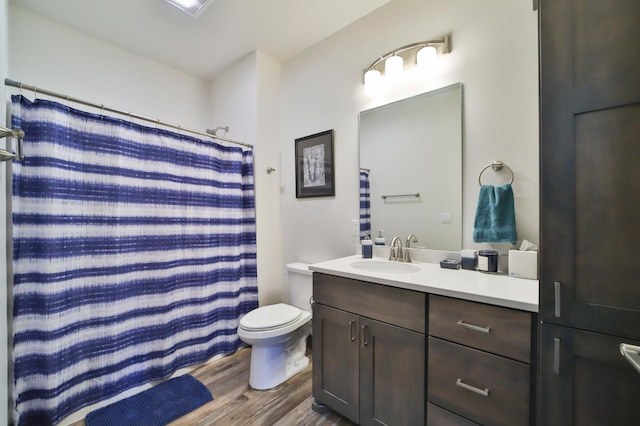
x=270 y=317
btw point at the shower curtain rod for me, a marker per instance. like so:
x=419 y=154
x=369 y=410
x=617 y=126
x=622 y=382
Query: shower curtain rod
x=36 y=90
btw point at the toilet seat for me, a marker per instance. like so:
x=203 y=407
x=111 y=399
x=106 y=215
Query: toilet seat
x=270 y=317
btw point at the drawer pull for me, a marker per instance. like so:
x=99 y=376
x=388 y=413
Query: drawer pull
x=351 y=336
x=474 y=327
x=364 y=336
x=632 y=354
x=474 y=389
x=557 y=294
x=556 y=355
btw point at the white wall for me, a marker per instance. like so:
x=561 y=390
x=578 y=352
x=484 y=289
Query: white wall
x=45 y=54
x=267 y=154
x=4 y=356
x=494 y=56
x=245 y=98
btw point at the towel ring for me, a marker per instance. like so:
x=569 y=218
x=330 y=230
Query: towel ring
x=496 y=166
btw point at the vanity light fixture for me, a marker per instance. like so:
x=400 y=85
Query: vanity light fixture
x=392 y=64
x=192 y=7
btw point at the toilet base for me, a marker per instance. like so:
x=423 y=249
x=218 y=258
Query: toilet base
x=273 y=363
x=269 y=367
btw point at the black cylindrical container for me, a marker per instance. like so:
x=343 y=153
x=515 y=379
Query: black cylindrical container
x=488 y=261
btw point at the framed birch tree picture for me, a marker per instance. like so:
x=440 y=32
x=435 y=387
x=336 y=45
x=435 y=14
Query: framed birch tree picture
x=314 y=165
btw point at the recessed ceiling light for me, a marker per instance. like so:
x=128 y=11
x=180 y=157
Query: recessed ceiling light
x=192 y=7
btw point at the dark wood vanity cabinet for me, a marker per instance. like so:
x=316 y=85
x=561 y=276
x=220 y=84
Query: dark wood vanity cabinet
x=479 y=364
x=586 y=380
x=590 y=199
x=369 y=351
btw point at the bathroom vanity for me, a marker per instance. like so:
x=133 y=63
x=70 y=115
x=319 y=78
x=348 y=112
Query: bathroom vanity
x=409 y=344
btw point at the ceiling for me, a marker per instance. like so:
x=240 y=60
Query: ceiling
x=204 y=46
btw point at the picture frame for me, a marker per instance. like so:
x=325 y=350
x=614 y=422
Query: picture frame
x=314 y=165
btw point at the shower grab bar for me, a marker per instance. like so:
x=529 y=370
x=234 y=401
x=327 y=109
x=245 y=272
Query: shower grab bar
x=6 y=155
x=6 y=132
x=417 y=195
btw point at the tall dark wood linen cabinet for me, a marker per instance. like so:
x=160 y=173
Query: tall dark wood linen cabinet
x=590 y=211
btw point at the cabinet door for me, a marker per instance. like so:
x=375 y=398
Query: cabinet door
x=585 y=380
x=590 y=177
x=336 y=360
x=392 y=375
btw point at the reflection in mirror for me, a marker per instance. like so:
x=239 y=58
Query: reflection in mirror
x=411 y=151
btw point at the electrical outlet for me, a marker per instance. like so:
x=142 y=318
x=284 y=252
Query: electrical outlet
x=445 y=218
x=355 y=227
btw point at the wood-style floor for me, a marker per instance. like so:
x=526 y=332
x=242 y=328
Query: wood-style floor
x=235 y=403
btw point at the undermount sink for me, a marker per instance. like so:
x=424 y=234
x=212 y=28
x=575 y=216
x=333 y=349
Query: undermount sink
x=384 y=266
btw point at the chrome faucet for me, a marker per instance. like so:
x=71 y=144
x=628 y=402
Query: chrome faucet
x=407 y=255
x=396 y=254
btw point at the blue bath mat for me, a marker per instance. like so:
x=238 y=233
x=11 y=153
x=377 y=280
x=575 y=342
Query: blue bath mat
x=157 y=406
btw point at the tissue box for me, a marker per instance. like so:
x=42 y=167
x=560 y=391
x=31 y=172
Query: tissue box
x=523 y=264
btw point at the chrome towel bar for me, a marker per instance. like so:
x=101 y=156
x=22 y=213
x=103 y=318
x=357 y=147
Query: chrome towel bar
x=417 y=195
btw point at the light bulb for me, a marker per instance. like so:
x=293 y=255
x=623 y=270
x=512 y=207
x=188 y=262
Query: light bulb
x=393 y=67
x=426 y=56
x=372 y=81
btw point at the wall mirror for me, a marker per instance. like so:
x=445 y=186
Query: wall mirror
x=411 y=151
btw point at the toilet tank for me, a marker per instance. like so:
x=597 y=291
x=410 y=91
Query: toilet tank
x=299 y=285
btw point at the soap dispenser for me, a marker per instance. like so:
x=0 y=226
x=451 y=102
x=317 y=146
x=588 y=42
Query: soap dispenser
x=380 y=239
x=367 y=247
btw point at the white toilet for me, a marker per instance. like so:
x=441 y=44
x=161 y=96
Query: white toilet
x=278 y=333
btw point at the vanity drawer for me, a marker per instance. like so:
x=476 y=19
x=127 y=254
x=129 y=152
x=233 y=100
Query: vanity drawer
x=495 y=329
x=483 y=387
x=398 y=306
x=437 y=416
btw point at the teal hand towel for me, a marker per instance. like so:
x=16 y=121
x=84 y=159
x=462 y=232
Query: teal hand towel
x=495 y=220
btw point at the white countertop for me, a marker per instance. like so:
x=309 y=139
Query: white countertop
x=494 y=289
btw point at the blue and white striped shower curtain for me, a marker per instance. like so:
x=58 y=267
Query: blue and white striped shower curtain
x=365 y=205
x=134 y=255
